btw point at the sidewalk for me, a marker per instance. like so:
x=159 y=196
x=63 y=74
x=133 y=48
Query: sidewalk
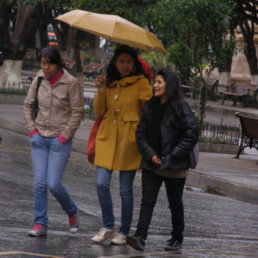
x=215 y=173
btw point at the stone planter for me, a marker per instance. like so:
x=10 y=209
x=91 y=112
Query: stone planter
x=12 y=99
x=218 y=148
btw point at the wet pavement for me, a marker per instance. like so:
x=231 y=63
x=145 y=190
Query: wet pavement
x=216 y=226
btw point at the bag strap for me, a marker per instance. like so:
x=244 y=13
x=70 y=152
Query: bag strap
x=38 y=84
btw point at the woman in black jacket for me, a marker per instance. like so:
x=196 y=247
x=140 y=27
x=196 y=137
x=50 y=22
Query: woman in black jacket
x=166 y=134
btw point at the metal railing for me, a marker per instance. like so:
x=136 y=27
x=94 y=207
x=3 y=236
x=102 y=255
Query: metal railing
x=88 y=108
x=222 y=133
x=20 y=88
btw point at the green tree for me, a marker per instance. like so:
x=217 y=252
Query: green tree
x=194 y=32
x=133 y=10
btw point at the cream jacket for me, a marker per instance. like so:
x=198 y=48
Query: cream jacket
x=61 y=106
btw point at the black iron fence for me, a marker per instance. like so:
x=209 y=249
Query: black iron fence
x=20 y=88
x=88 y=108
x=223 y=133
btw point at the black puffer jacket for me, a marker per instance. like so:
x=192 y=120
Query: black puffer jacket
x=176 y=143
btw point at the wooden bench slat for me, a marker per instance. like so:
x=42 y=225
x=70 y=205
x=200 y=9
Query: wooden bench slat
x=239 y=92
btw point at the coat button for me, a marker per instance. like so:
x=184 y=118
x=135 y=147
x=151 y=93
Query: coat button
x=117 y=111
x=114 y=122
x=116 y=97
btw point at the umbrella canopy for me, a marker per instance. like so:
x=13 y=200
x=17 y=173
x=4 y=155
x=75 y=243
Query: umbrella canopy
x=113 y=28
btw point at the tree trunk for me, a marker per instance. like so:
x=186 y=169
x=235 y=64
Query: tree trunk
x=15 y=42
x=247 y=29
x=78 y=40
x=201 y=88
x=203 y=100
x=24 y=27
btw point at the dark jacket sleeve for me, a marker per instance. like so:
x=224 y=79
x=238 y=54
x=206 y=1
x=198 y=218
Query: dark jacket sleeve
x=190 y=133
x=142 y=143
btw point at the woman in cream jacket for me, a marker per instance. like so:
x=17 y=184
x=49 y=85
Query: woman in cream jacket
x=60 y=104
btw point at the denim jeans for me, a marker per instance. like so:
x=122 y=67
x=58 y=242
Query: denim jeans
x=49 y=158
x=151 y=184
x=103 y=178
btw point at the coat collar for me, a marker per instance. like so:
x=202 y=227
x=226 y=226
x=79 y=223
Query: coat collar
x=127 y=81
x=63 y=79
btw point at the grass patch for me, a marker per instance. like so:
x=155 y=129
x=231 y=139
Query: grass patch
x=13 y=92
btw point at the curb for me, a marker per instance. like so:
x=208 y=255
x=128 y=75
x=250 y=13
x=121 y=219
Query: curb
x=218 y=148
x=222 y=187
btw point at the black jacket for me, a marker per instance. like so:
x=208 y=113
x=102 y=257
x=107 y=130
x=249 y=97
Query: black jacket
x=176 y=142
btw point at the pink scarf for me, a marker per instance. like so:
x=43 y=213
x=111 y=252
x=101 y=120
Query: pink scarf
x=54 y=79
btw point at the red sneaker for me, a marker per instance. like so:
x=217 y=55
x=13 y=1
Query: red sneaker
x=74 y=223
x=38 y=231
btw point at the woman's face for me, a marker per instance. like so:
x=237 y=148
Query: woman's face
x=124 y=64
x=48 y=68
x=159 y=88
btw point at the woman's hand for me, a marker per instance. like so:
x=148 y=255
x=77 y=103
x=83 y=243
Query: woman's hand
x=100 y=82
x=156 y=160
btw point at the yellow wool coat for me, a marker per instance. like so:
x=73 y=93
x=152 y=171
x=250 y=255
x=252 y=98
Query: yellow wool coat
x=115 y=147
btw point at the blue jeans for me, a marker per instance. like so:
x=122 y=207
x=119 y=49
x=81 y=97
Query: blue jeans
x=103 y=178
x=49 y=158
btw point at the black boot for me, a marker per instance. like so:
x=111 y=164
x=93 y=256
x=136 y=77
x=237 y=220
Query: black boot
x=174 y=245
x=136 y=242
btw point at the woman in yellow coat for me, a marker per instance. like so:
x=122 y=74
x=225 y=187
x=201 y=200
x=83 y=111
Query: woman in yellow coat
x=120 y=97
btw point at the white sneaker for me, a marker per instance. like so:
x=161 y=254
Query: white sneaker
x=102 y=235
x=119 y=239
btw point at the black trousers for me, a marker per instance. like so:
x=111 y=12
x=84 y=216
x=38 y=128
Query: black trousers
x=151 y=184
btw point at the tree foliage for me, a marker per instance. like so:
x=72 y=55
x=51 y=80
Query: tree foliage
x=133 y=10
x=194 y=31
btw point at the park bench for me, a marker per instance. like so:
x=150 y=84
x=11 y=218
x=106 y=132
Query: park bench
x=249 y=138
x=212 y=87
x=240 y=92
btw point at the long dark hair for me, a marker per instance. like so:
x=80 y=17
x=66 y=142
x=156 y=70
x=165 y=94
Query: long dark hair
x=52 y=55
x=174 y=98
x=112 y=72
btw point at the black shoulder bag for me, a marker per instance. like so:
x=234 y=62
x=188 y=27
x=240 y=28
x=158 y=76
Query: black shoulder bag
x=35 y=104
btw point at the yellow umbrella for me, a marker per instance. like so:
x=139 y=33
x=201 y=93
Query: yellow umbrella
x=113 y=28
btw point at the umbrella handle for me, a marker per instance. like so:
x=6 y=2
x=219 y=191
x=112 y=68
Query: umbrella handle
x=105 y=60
